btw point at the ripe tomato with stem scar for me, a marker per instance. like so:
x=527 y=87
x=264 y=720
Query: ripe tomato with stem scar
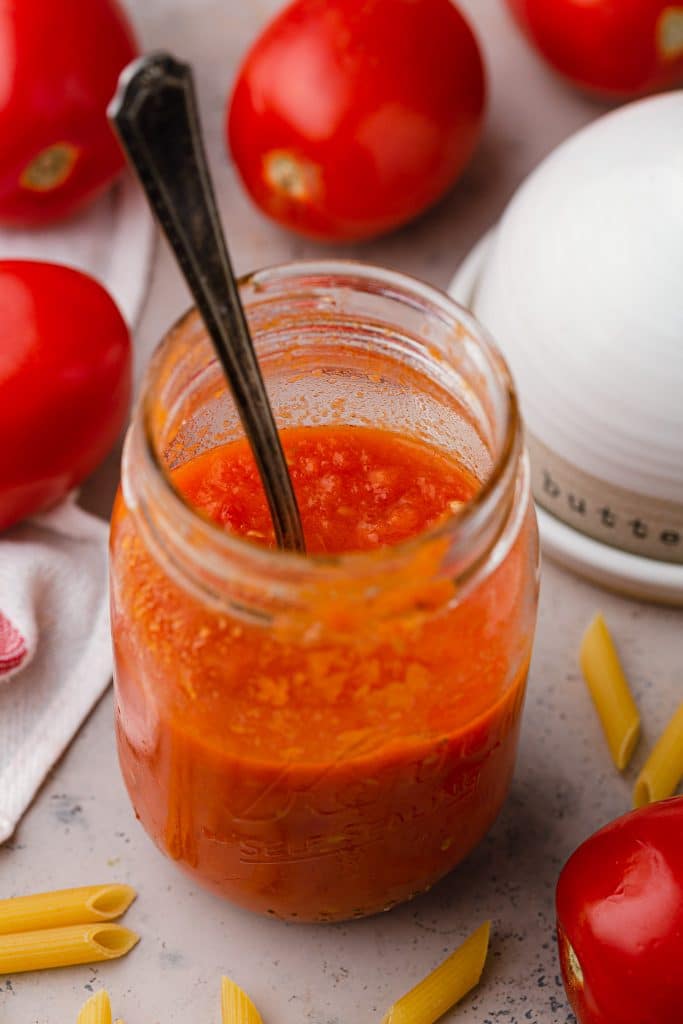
x=620 y=920
x=615 y=48
x=348 y=119
x=59 y=67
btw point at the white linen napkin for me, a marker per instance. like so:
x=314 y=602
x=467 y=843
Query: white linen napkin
x=55 y=648
x=55 y=658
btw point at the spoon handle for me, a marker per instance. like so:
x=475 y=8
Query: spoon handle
x=155 y=115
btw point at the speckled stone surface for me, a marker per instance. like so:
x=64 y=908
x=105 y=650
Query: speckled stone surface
x=81 y=827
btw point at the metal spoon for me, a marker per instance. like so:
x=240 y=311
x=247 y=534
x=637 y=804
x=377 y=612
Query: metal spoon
x=155 y=116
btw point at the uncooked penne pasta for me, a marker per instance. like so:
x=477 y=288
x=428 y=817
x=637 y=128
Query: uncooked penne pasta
x=610 y=692
x=97 y=1010
x=91 y=903
x=446 y=985
x=663 y=769
x=236 y=1006
x=64 y=947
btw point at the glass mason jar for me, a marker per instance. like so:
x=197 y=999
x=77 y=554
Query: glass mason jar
x=225 y=651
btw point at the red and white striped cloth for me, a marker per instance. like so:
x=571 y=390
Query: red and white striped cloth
x=13 y=648
x=55 y=650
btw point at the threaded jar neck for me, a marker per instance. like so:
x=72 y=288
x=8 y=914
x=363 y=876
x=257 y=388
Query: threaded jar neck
x=338 y=342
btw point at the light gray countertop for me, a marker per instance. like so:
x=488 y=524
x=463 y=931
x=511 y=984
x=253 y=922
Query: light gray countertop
x=81 y=827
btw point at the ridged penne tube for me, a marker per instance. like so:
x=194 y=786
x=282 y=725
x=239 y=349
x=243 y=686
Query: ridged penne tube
x=64 y=947
x=663 y=769
x=58 y=909
x=610 y=692
x=97 y=1010
x=446 y=985
x=236 y=1006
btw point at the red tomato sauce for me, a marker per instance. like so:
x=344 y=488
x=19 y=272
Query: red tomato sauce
x=357 y=488
x=319 y=774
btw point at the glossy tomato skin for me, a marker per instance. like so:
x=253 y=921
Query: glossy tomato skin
x=620 y=920
x=616 y=48
x=60 y=66
x=65 y=382
x=348 y=119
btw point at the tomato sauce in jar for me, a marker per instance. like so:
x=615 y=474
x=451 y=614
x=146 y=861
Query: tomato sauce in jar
x=319 y=737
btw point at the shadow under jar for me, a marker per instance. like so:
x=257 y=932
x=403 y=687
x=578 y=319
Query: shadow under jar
x=321 y=737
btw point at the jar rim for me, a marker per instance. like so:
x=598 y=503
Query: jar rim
x=285 y=563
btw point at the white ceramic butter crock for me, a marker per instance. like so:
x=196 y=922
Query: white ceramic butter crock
x=581 y=284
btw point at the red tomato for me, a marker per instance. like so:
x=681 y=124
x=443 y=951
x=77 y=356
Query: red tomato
x=620 y=920
x=619 y=48
x=348 y=118
x=65 y=379
x=59 y=68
